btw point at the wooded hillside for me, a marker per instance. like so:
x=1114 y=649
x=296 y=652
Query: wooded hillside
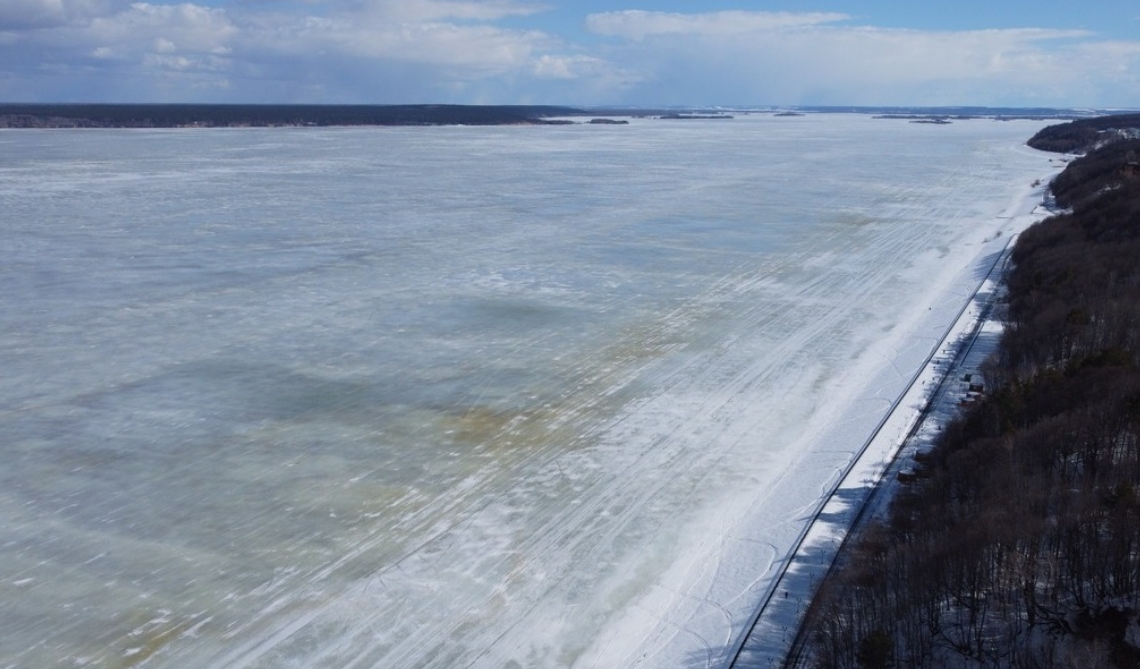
x=1018 y=544
x=1084 y=134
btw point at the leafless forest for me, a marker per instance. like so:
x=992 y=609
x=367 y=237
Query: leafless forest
x=1018 y=542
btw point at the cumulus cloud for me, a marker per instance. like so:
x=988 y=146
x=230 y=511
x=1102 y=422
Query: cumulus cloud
x=169 y=28
x=550 y=66
x=353 y=47
x=480 y=50
x=758 y=57
x=479 y=47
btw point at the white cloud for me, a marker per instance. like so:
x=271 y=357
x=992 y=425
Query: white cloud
x=142 y=39
x=38 y=14
x=408 y=11
x=758 y=57
x=478 y=47
x=163 y=45
x=357 y=44
x=550 y=66
x=464 y=51
x=474 y=47
x=637 y=25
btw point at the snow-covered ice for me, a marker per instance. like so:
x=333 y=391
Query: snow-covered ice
x=456 y=397
x=949 y=377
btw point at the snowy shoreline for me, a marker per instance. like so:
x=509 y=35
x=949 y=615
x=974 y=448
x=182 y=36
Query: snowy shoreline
x=930 y=400
x=917 y=341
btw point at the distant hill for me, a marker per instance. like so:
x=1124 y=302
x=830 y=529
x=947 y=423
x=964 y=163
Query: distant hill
x=1083 y=135
x=221 y=116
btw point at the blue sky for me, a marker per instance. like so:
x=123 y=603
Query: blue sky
x=1063 y=53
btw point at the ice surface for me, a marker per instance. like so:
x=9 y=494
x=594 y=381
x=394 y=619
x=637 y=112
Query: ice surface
x=454 y=397
x=931 y=400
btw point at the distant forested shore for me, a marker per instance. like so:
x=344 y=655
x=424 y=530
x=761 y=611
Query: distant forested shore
x=286 y=116
x=239 y=115
x=1016 y=543
x=131 y=115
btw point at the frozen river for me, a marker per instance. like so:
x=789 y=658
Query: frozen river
x=398 y=398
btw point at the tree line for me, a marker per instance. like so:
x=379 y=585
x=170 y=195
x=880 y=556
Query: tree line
x=1017 y=543
x=1083 y=134
x=263 y=115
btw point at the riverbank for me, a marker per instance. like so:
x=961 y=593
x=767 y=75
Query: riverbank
x=949 y=377
x=1013 y=542
x=716 y=588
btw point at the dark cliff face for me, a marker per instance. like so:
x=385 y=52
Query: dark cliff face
x=200 y=115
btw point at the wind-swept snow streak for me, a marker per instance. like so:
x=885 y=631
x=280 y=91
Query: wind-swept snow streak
x=455 y=397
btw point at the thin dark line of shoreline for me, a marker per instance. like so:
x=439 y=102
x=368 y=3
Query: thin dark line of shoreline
x=242 y=115
x=47 y=115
